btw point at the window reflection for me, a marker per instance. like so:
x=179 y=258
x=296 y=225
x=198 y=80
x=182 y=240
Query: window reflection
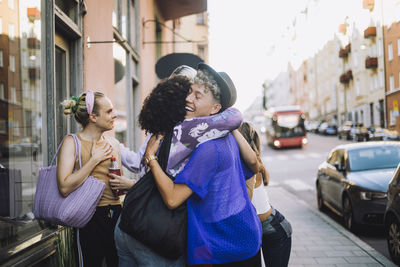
x=120 y=16
x=20 y=114
x=120 y=102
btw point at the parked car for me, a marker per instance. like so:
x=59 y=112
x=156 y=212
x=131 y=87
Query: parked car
x=331 y=130
x=327 y=129
x=375 y=133
x=311 y=126
x=391 y=135
x=379 y=133
x=322 y=128
x=358 y=132
x=392 y=217
x=344 y=130
x=354 y=179
x=21 y=147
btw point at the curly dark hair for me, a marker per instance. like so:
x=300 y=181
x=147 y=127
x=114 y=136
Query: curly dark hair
x=165 y=106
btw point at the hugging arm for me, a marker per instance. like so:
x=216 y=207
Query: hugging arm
x=133 y=160
x=190 y=133
x=247 y=153
x=173 y=194
x=200 y=129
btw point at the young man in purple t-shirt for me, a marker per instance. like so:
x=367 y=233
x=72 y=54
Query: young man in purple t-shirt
x=223 y=228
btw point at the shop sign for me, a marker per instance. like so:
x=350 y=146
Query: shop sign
x=395 y=108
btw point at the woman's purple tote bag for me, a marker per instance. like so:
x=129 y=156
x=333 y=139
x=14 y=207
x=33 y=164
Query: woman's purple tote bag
x=74 y=210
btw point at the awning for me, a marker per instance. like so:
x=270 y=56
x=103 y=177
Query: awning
x=173 y=9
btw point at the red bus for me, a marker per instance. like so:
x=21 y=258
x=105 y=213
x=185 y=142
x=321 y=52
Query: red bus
x=285 y=127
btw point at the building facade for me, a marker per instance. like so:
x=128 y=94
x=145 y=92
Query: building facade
x=345 y=80
x=276 y=92
x=322 y=83
x=192 y=35
x=391 y=33
x=49 y=51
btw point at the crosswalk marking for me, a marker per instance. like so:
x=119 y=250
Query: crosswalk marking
x=299 y=156
x=272 y=183
x=315 y=155
x=282 y=157
x=296 y=156
x=298 y=185
x=267 y=158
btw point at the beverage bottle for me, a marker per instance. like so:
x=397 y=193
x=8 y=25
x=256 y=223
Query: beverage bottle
x=114 y=168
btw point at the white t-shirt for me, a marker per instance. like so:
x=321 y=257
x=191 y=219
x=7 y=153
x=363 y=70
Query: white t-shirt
x=260 y=200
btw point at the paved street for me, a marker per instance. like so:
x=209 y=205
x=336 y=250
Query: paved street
x=293 y=173
x=318 y=240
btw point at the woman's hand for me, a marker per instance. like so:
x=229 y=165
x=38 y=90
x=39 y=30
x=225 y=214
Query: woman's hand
x=101 y=152
x=120 y=182
x=153 y=144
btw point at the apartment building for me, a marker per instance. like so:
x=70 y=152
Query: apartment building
x=277 y=92
x=192 y=35
x=299 y=87
x=322 y=83
x=391 y=33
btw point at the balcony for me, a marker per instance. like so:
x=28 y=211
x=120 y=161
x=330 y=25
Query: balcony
x=348 y=48
x=346 y=77
x=342 y=28
x=344 y=52
x=33 y=14
x=33 y=43
x=368 y=4
x=34 y=73
x=371 y=62
x=370 y=32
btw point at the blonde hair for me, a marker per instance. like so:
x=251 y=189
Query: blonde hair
x=203 y=77
x=251 y=136
x=77 y=106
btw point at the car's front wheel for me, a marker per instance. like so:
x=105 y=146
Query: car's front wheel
x=320 y=200
x=348 y=215
x=393 y=239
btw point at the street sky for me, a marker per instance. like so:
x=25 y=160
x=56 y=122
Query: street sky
x=253 y=40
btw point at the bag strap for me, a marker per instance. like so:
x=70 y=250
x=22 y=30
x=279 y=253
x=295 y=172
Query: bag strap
x=77 y=151
x=77 y=144
x=163 y=153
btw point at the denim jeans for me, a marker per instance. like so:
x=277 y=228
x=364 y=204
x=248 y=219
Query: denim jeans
x=133 y=253
x=276 y=240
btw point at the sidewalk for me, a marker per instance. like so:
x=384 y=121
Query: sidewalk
x=319 y=241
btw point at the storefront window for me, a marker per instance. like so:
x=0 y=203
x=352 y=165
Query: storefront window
x=120 y=102
x=20 y=118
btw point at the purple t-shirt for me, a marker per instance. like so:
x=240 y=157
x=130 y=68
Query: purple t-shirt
x=223 y=225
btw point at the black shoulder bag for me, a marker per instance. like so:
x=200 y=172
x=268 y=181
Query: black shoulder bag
x=146 y=218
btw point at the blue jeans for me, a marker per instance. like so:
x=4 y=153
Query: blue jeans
x=276 y=240
x=133 y=253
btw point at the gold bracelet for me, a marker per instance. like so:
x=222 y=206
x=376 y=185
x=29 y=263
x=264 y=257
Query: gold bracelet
x=147 y=159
